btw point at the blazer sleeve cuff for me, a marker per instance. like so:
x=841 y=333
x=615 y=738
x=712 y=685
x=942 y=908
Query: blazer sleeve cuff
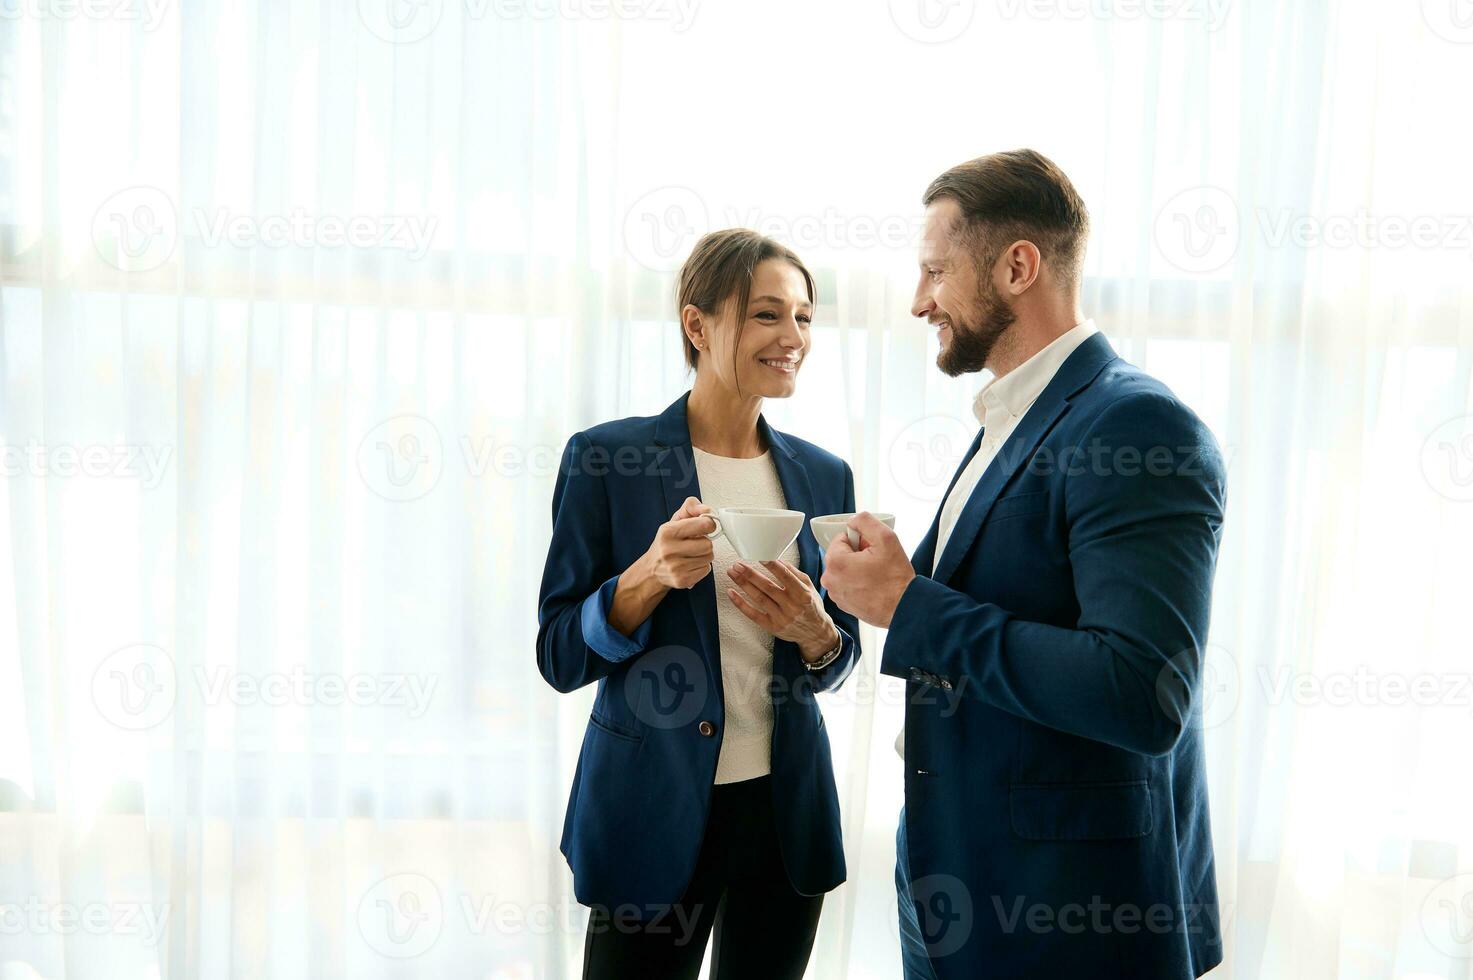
x=602 y=638
x=909 y=631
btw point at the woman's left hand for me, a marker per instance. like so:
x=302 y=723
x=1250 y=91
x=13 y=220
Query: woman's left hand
x=785 y=603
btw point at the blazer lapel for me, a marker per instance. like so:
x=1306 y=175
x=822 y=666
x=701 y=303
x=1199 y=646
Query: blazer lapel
x=798 y=493
x=676 y=464
x=1077 y=371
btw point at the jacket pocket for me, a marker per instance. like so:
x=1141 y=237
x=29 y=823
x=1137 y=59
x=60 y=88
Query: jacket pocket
x=1081 y=811
x=618 y=731
x=1018 y=505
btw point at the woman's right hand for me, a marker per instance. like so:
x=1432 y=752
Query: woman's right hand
x=681 y=554
x=678 y=558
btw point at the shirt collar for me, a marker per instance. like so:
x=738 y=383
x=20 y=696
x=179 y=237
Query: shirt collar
x=1015 y=392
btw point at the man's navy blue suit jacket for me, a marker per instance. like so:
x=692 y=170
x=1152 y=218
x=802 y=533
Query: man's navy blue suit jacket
x=637 y=812
x=1055 y=793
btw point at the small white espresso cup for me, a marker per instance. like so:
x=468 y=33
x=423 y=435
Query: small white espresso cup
x=757 y=533
x=827 y=527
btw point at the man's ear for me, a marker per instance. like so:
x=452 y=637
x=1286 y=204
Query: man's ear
x=1019 y=267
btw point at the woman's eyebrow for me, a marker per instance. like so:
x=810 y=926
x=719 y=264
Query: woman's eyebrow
x=778 y=299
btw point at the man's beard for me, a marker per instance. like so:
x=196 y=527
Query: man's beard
x=971 y=344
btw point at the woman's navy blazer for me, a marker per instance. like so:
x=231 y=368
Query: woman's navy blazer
x=637 y=812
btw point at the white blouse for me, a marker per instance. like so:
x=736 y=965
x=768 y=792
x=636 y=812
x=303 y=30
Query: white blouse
x=746 y=648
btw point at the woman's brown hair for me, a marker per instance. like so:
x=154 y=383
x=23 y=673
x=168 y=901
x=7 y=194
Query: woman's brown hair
x=719 y=270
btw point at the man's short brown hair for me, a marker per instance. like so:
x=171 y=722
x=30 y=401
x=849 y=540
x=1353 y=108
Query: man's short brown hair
x=1018 y=195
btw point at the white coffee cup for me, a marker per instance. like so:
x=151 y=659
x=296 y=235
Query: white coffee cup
x=827 y=527
x=757 y=533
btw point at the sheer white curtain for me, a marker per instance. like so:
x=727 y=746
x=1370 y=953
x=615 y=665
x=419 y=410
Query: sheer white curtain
x=301 y=302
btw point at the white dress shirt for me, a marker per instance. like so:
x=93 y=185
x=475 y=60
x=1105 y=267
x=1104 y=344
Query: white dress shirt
x=999 y=406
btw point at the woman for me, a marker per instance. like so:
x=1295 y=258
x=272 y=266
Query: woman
x=704 y=795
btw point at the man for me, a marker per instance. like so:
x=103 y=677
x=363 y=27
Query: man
x=1051 y=625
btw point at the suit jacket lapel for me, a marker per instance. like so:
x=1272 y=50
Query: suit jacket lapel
x=1018 y=448
x=1077 y=371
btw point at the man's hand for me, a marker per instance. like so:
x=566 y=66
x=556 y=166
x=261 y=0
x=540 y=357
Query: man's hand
x=867 y=581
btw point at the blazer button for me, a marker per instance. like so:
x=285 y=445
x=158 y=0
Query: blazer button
x=706 y=728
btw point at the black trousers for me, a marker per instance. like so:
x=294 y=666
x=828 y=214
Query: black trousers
x=763 y=928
